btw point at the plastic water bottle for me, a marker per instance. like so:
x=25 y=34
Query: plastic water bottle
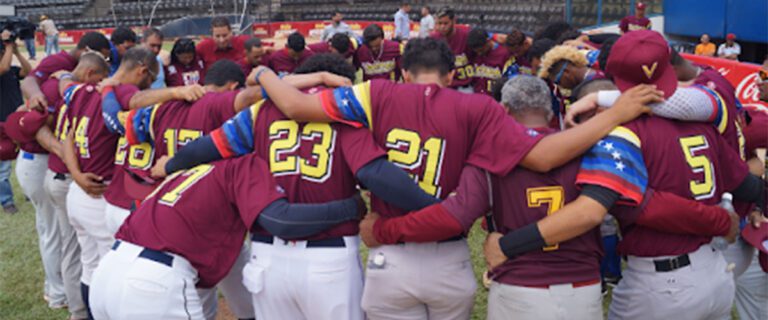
x=726 y=202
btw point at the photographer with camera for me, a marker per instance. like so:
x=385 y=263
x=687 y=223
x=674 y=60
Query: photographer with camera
x=10 y=99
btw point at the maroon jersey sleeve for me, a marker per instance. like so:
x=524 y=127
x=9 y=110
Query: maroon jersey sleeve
x=224 y=106
x=500 y=142
x=51 y=64
x=358 y=147
x=251 y=187
x=734 y=169
x=124 y=93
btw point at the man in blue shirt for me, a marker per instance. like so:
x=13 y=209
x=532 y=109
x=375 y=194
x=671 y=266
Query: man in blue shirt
x=402 y=23
x=122 y=39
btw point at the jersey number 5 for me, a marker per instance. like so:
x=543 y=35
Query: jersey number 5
x=554 y=196
x=705 y=188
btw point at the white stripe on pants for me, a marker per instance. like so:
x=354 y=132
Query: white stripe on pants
x=30 y=170
x=87 y=216
x=559 y=302
x=291 y=281
x=702 y=290
x=71 y=269
x=237 y=296
x=128 y=287
x=420 y=281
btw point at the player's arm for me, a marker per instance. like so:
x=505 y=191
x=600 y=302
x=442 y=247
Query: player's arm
x=153 y=96
x=393 y=185
x=292 y=102
x=454 y=216
x=48 y=141
x=297 y=220
x=26 y=68
x=575 y=141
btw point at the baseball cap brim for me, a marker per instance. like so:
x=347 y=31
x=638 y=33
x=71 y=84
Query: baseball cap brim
x=667 y=82
x=757 y=237
x=22 y=126
x=137 y=185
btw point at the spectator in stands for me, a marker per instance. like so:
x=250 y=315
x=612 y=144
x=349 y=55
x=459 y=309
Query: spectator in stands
x=10 y=99
x=730 y=49
x=402 y=23
x=427 y=23
x=186 y=67
x=152 y=39
x=29 y=43
x=294 y=54
x=378 y=58
x=48 y=28
x=255 y=55
x=705 y=48
x=336 y=26
x=567 y=67
x=123 y=39
x=340 y=43
x=638 y=21
x=222 y=45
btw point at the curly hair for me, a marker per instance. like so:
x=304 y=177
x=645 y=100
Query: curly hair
x=558 y=53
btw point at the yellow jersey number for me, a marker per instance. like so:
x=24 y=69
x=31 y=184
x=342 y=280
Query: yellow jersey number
x=81 y=137
x=705 y=188
x=285 y=138
x=407 y=151
x=554 y=196
x=193 y=176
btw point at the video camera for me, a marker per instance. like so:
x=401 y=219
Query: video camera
x=19 y=27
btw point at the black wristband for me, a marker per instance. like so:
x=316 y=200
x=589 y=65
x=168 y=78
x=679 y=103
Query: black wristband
x=521 y=241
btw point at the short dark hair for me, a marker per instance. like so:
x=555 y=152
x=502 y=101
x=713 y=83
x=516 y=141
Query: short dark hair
x=337 y=11
x=515 y=38
x=96 y=61
x=340 y=42
x=182 y=45
x=477 y=38
x=122 y=35
x=428 y=54
x=446 y=12
x=94 y=41
x=149 y=32
x=372 y=32
x=590 y=86
x=427 y=7
x=539 y=48
x=251 y=43
x=567 y=35
x=139 y=56
x=553 y=30
x=223 y=72
x=329 y=62
x=217 y=22
x=605 y=51
x=296 y=42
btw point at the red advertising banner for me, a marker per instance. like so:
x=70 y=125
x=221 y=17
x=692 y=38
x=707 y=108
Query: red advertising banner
x=742 y=75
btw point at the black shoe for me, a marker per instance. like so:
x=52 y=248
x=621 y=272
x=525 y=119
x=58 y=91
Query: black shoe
x=10 y=209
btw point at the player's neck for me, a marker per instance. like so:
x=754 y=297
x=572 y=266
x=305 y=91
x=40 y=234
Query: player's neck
x=429 y=78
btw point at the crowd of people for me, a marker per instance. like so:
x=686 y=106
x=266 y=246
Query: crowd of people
x=576 y=151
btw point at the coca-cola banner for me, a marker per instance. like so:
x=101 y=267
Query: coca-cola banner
x=742 y=75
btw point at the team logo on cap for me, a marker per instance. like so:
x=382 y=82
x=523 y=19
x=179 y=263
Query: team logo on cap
x=649 y=71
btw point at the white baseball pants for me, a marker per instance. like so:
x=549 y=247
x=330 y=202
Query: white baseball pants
x=87 y=216
x=559 y=302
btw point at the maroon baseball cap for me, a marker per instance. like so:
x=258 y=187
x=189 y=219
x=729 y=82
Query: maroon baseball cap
x=8 y=149
x=758 y=238
x=642 y=57
x=22 y=126
x=138 y=184
x=730 y=36
x=640 y=5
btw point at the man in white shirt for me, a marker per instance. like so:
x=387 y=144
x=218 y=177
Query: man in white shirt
x=730 y=49
x=336 y=26
x=402 y=23
x=48 y=27
x=427 y=23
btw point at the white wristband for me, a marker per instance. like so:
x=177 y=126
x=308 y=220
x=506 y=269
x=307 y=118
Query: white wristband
x=606 y=98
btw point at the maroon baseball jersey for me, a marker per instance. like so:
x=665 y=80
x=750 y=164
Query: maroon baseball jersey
x=458 y=43
x=94 y=144
x=325 y=47
x=282 y=63
x=729 y=123
x=691 y=160
x=632 y=23
x=58 y=110
x=204 y=213
x=177 y=74
x=489 y=67
x=756 y=132
x=60 y=61
x=153 y=132
x=247 y=67
x=312 y=162
x=384 y=64
x=431 y=132
x=210 y=53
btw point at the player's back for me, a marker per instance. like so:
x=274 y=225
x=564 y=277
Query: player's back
x=94 y=144
x=523 y=197
x=688 y=159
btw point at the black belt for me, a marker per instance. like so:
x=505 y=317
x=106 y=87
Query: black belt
x=60 y=176
x=672 y=264
x=337 y=242
x=154 y=255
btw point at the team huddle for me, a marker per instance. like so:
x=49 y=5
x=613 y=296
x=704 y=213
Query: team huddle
x=245 y=176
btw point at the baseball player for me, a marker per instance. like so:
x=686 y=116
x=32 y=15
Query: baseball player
x=519 y=198
x=330 y=160
x=293 y=55
x=379 y=58
x=340 y=43
x=665 y=272
x=456 y=37
x=490 y=60
x=431 y=132
x=165 y=249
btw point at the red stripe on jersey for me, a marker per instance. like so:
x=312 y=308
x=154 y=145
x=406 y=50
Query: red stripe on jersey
x=220 y=141
x=613 y=182
x=328 y=101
